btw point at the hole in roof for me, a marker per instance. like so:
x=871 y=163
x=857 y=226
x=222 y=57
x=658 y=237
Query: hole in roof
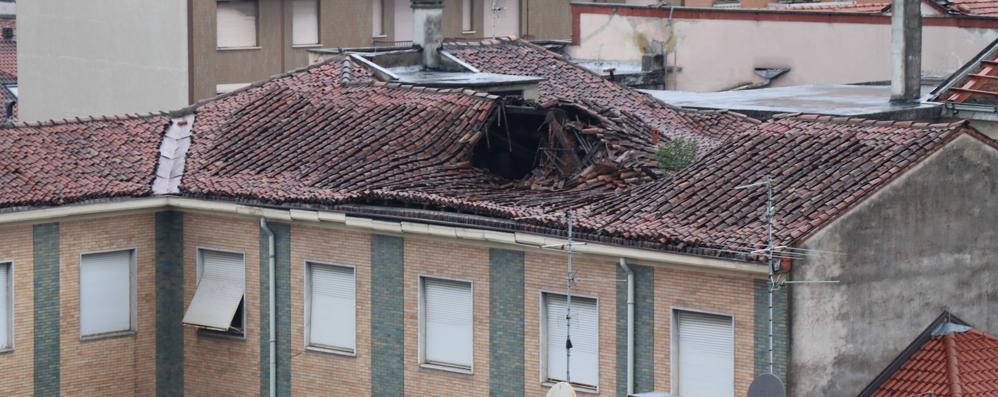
x=546 y=145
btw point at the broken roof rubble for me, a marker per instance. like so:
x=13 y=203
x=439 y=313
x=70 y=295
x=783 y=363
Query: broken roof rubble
x=329 y=136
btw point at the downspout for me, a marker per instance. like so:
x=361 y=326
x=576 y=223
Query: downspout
x=270 y=292
x=630 y=325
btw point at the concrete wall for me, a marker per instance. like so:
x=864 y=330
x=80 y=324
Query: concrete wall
x=924 y=244
x=106 y=57
x=719 y=49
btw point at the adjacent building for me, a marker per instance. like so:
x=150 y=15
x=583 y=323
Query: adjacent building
x=112 y=58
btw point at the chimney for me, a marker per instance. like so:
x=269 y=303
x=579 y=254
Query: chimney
x=906 y=51
x=428 y=31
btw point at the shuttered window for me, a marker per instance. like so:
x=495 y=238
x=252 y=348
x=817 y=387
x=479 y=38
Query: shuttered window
x=218 y=301
x=107 y=294
x=378 y=7
x=331 y=307
x=704 y=354
x=305 y=22
x=236 y=22
x=446 y=319
x=6 y=306
x=585 y=339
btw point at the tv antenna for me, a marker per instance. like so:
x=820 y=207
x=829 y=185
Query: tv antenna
x=775 y=279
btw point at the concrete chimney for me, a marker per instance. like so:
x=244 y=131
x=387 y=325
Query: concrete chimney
x=906 y=51
x=428 y=29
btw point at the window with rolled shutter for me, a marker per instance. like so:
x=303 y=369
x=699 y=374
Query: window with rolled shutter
x=106 y=293
x=332 y=307
x=378 y=8
x=6 y=306
x=305 y=22
x=447 y=322
x=218 y=300
x=585 y=339
x=704 y=354
x=236 y=23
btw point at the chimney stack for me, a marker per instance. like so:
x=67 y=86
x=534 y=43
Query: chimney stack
x=906 y=51
x=428 y=30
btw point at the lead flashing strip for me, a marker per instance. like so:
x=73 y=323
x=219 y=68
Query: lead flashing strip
x=172 y=155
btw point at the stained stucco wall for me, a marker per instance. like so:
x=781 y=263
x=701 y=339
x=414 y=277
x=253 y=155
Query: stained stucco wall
x=716 y=54
x=104 y=57
x=924 y=244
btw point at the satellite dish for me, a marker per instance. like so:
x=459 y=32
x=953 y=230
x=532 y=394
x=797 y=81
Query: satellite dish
x=561 y=389
x=767 y=385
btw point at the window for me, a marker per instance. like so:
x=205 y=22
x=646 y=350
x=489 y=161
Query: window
x=107 y=293
x=13 y=89
x=468 y=16
x=585 y=339
x=703 y=354
x=305 y=22
x=379 y=17
x=218 y=303
x=331 y=307
x=236 y=23
x=446 y=323
x=6 y=306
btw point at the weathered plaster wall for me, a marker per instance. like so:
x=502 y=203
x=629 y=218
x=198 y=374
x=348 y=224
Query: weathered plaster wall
x=925 y=243
x=716 y=54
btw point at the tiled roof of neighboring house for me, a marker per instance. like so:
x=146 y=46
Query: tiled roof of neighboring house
x=820 y=168
x=64 y=162
x=950 y=359
x=865 y=8
x=8 y=53
x=637 y=112
x=975 y=82
x=969 y=7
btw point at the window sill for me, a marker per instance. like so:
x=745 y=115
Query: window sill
x=221 y=335
x=448 y=368
x=239 y=48
x=578 y=388
x=314 y=45
x=327 y=350
x=7 y=350
x=380 y=36
x=468 y=32
x=107 y=335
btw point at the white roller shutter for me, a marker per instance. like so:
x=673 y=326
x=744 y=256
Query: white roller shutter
x=5 y=305
x=332 y=313
x=705 y=355
x=105 y=292
x=585 y=338
x=447 y=322
x=221 y=285
x=236 y=23
x=305 y=22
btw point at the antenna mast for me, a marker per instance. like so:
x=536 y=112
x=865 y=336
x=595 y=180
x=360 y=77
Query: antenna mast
x=568 y=311
x=770 y=211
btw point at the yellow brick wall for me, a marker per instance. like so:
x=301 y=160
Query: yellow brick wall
x=221 y=366
x=114 y=366
x=315 y=373
x=708 y=292
x=456 y=261
x=546 y=272
x=18 y=365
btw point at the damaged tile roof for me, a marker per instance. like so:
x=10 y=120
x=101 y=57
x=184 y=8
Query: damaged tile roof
x=953 y=360
x=8 y=53
x=820 y=167
x=638 y=113
x=65 y=162
x=329 y=136
x=968 y=7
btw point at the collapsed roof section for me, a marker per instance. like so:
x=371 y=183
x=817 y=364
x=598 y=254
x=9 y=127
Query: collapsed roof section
x=974 y=83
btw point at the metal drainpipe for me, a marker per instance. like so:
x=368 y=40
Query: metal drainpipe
x=270 y=292
x=630 y=325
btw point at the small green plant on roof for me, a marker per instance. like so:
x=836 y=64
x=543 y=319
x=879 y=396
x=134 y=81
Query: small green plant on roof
x=676 y=153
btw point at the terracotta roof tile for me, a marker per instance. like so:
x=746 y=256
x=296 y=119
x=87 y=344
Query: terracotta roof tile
x=965 y=361
x=874 y=8
x=63 y=162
